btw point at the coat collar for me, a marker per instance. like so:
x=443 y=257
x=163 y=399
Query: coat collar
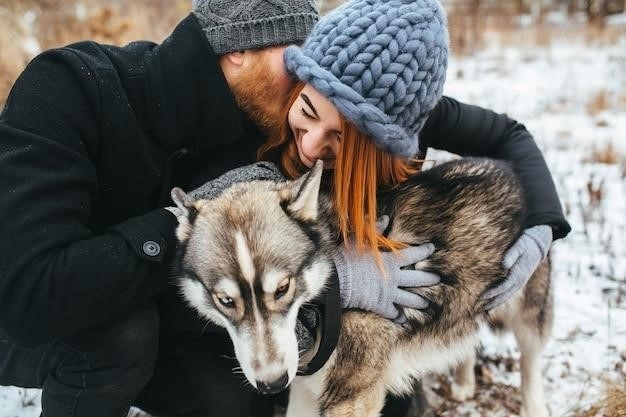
x=192 y=104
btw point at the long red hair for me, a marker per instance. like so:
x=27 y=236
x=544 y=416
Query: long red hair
x=360 y=170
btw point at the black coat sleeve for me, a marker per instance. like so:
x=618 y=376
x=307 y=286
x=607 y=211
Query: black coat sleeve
x=473 y=131
x=56 y=275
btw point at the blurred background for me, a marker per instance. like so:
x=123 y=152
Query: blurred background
x=557 y=66
x=30 y=26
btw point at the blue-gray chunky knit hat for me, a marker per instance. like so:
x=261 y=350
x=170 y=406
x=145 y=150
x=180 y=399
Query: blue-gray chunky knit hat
x=236 y=25
x=382 y=63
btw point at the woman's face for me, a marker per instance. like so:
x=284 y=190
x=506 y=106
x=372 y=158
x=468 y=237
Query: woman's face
x=316 y=127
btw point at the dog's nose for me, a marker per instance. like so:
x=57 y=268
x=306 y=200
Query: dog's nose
x=273 y=387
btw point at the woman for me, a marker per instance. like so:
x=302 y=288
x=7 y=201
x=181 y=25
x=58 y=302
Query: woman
x=370 y=95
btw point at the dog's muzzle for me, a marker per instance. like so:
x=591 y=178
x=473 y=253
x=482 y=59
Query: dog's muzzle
x=273 y=387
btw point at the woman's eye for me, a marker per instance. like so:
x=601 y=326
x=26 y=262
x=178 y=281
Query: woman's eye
x=281 y=290
x=305 y=114
x=227 y=302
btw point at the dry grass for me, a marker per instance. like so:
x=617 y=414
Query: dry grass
x=474 y=24
x=598 y=103
x=13 y=57
x=595 y=193
x=611 y=404
x=606 y=155
x=59 y=22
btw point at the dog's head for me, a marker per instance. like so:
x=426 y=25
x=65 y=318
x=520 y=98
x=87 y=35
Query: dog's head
x=248 y=260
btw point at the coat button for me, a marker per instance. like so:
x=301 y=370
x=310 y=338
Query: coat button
x=151 y=248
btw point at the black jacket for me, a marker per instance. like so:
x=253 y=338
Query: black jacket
x=93 y=137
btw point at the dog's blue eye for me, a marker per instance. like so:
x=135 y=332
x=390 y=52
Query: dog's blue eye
x=227 y=302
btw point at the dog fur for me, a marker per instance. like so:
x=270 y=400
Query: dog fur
x=251 y=257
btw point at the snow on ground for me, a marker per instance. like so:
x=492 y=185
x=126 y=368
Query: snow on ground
x=19 y=402
x=572 y=97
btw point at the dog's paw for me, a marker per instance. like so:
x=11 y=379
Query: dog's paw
x=463 y=392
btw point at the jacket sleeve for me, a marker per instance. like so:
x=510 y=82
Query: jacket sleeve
x=473 y=131
x=56 y=276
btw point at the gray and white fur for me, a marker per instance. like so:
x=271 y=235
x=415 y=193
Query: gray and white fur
x=251 y=257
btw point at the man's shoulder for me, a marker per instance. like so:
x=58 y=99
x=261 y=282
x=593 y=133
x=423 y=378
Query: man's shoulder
x=98 y=56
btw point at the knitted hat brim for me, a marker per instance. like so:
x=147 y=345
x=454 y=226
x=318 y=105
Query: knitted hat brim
x=260 y=33
x=368 y=118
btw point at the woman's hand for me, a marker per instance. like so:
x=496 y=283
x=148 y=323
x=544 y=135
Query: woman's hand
x=363 y=285
x=520 y=260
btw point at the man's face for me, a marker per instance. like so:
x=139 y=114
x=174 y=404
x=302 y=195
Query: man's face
x=262 y=87
x=274 y=61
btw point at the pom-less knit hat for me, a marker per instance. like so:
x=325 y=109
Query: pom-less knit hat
x=382 y=63
x=236 y=25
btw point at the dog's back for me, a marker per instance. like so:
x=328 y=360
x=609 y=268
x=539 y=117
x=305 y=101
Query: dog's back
x=472 y=210
x=240 y=268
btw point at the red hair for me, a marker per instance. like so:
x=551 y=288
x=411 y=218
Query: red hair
x=360 y=170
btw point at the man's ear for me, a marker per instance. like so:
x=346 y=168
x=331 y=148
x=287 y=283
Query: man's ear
x=231 y=64
x=302 y=194
x=234 y=58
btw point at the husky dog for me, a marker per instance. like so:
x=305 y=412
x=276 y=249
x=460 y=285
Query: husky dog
x=253 y=256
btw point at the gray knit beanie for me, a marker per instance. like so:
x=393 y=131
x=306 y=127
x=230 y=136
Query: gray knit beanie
x=236 y=25
x=382 y=63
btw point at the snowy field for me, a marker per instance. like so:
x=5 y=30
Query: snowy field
x=572 y=97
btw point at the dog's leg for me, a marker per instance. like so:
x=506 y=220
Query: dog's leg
x=302 y=401
x=464 y=385
x=531 y=346
x=368 y=403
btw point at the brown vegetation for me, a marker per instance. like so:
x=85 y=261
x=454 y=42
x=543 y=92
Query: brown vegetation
x=13 y=57
x=53 y=23
x=612 y=403
x=473 y=24
x=606 y=155
x=598 y=103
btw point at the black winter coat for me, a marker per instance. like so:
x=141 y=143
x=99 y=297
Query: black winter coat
x=93 y=137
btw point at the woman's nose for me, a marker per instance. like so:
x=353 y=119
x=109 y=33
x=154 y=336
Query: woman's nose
x=314 y=142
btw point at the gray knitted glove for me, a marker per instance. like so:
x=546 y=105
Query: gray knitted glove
x=362 y=284
x=257 y=171
x=521 y=260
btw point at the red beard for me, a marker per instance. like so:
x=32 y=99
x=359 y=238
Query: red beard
x=256 y=94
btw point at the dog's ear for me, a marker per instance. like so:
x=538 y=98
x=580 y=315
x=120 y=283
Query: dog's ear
x=185 y=212
x=302 y=194
x=183 y=201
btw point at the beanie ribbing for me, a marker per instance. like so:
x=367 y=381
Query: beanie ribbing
x=237 y=25
x=382 y=63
